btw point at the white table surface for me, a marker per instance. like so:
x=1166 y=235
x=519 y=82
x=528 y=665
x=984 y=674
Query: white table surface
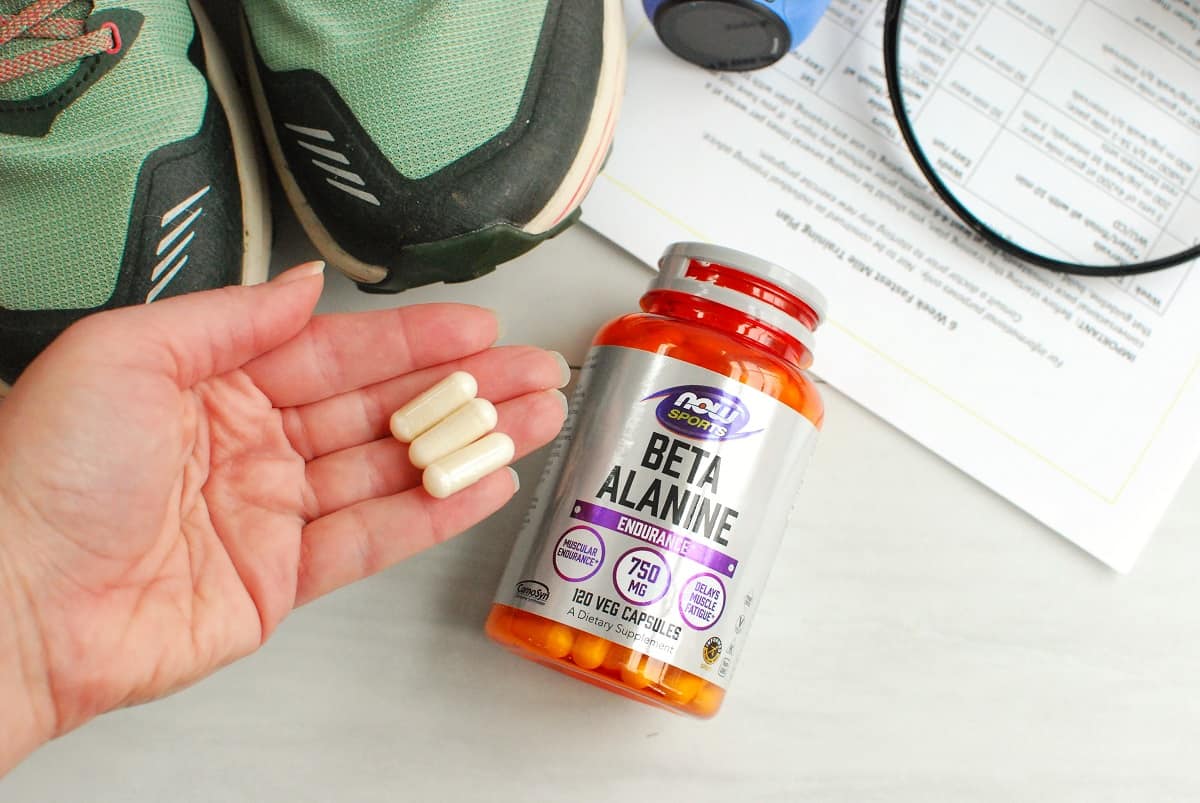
x=921 y=640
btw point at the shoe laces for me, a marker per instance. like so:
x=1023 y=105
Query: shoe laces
x=66 y=39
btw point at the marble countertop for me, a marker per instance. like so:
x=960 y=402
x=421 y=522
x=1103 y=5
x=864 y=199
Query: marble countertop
x=921 y=640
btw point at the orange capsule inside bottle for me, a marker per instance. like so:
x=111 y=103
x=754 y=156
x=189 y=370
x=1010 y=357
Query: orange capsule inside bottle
x=663 y=503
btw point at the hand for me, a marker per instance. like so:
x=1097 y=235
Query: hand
x=175 y=478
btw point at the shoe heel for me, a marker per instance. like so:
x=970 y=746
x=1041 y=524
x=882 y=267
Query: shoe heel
x=462 y=258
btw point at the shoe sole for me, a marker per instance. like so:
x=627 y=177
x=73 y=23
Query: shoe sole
x=467 y=256
x=252 y=178
x=252 y=174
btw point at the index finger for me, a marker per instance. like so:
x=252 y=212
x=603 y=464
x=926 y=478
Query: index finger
x=338 y=353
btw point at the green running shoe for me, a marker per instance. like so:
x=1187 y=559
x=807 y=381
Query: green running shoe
x=429 y=140
x=127 y=168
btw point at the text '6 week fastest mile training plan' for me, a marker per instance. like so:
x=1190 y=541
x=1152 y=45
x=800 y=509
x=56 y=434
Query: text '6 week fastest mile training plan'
x=1077 y=398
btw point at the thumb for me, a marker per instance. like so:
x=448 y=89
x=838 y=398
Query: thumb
x=192 y=337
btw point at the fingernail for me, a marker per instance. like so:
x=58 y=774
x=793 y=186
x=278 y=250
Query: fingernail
x=516 y=478
x=564 y=369
x=562 y=399
x=305 y=271
x=500 y=327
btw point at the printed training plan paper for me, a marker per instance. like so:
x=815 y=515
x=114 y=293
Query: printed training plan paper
x=1076 y=398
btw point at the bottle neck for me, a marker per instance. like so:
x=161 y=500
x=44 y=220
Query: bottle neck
x=754 y=287
x=685 y=307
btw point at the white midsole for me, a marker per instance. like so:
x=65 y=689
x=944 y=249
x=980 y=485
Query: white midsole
x=256 y=208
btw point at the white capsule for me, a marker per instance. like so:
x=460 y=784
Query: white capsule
x=469 y=464
x=433 y=405
x=473 y=420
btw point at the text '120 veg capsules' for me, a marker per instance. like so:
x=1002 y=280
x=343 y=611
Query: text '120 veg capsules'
x=643 y=559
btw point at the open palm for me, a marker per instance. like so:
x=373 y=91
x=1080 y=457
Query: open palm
x=174 y=479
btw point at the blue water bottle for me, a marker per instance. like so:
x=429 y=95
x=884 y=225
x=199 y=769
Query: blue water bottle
x=733 y=34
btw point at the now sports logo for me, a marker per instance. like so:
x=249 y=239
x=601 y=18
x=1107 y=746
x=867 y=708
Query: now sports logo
x=702 y=412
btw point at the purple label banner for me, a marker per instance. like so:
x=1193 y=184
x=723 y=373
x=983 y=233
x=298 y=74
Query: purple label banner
x=652 y=533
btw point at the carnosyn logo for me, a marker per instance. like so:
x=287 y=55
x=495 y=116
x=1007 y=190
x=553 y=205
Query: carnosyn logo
x=533 y=591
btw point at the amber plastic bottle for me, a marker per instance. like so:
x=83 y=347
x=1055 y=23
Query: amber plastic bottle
x=738 y=317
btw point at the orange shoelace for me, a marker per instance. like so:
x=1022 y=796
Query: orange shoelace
x=67 y=40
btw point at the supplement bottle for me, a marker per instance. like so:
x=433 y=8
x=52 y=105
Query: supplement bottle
x=643 y=559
